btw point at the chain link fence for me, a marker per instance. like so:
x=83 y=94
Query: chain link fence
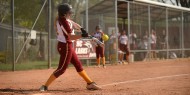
x=169 y=25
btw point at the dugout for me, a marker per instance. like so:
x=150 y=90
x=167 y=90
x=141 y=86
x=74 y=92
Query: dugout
x=171 y=24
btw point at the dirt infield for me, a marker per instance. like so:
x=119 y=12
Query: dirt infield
x=168 y=77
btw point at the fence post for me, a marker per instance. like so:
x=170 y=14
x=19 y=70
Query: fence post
x=49 y=34
x=13 y=36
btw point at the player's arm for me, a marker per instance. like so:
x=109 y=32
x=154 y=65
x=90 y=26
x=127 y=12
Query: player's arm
x=69 y=31
x=79 y=29
x=74 y=37
x=76 y=26
x=102 y=33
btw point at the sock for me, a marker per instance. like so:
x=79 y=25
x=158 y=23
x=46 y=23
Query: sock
x=50 y=80
x=98 y=61
x=127 y=58
x=85 y=76
x=103 y=60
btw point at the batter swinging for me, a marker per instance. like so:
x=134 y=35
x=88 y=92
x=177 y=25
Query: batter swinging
x=64 y=29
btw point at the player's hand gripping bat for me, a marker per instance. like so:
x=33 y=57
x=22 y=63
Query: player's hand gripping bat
x=98 y=42
x=85 y=35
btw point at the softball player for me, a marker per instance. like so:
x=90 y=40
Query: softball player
x=123 y=46
x=64 y=27
x=99 y=50
x=112 y=46
x=153 y=39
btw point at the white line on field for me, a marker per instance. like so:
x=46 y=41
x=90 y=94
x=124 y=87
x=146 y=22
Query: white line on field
x=145 y=79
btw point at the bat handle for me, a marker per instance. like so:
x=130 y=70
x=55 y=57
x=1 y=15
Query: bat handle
x=98 y=42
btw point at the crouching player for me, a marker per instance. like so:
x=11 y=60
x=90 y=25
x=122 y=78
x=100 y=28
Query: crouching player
x=64 y=28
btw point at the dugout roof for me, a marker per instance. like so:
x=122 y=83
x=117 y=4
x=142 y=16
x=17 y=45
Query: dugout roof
x=138 y=9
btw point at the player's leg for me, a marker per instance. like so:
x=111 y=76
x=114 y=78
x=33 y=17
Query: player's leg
x=122 y=50
x=127 y=54
x=102 y=56
x=110 y=53
x=65 y=57
x=154 y=56
x=78 y=66
x=76 y=62
x=119 y=54
x=151 y=52
x=104 y=61
x=155 y=53
x=120 y=57
x=98 y=61
x=98 y=56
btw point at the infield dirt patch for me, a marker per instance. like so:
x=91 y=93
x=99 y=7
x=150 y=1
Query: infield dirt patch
x=166 y=77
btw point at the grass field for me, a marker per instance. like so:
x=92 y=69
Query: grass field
x=32 y=65
x=27 y=66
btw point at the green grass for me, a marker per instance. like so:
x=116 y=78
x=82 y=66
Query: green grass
x=27 y=66
x=34 y=65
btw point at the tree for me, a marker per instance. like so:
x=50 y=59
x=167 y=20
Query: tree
x=184 y=3
x=26 y=13
x=4 y=10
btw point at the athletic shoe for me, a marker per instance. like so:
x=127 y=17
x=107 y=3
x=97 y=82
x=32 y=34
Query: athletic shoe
x=124 y=62
x=43 y=88
x=104 y=66
x=128 y=61
x=93 y=86
x=98 y=66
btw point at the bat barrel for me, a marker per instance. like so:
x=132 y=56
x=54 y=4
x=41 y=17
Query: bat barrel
x=98 y=41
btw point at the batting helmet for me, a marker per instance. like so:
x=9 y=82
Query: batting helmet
x=64 y=9
x=105 y=37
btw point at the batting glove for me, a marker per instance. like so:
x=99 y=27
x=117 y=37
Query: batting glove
x=84 y=33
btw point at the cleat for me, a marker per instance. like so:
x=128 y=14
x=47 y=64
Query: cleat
x=93 y=86
x=98 y=66
x=104 y=66
x=43 y=88
x=124 y=62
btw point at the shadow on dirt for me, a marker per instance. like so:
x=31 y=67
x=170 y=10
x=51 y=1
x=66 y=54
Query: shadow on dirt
x=29 y=91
